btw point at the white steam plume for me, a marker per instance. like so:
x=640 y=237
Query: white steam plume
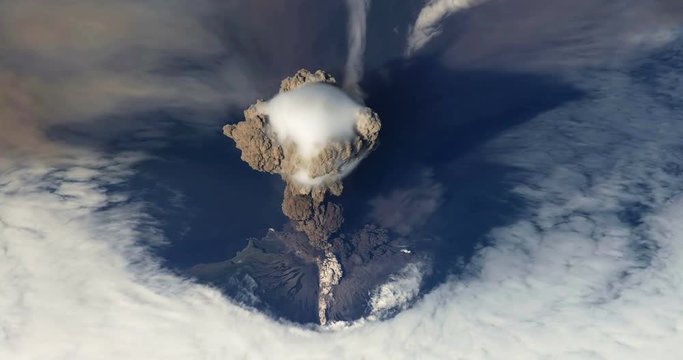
x=428 y=21
x=358 y=12
x=398 y=292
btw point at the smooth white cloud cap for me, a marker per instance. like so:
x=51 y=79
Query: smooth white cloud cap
x=312 y=115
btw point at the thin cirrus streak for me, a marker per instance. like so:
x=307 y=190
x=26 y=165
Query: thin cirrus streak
x=357 y=28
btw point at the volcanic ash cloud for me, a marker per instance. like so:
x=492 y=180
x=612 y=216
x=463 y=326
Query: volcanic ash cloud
x=312 y=134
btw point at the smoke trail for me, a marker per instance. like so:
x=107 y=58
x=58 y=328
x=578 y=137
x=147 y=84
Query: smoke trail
x=358 y=12
x=330 y=273
x=427 y=24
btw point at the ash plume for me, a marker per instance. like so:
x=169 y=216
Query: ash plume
x=312 y=134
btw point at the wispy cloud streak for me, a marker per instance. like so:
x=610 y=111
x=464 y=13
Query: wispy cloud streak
x=428 y=23
x=357 y=28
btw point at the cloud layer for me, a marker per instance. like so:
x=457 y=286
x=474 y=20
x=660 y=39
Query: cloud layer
x=542 y=35
x=590 y=270
x=71 y=61
x=559 y=35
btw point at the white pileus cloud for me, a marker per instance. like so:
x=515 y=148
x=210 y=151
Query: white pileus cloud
x=312 y=116
x=322 y=131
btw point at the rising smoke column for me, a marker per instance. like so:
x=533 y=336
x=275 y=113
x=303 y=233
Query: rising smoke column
x=312 y=134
